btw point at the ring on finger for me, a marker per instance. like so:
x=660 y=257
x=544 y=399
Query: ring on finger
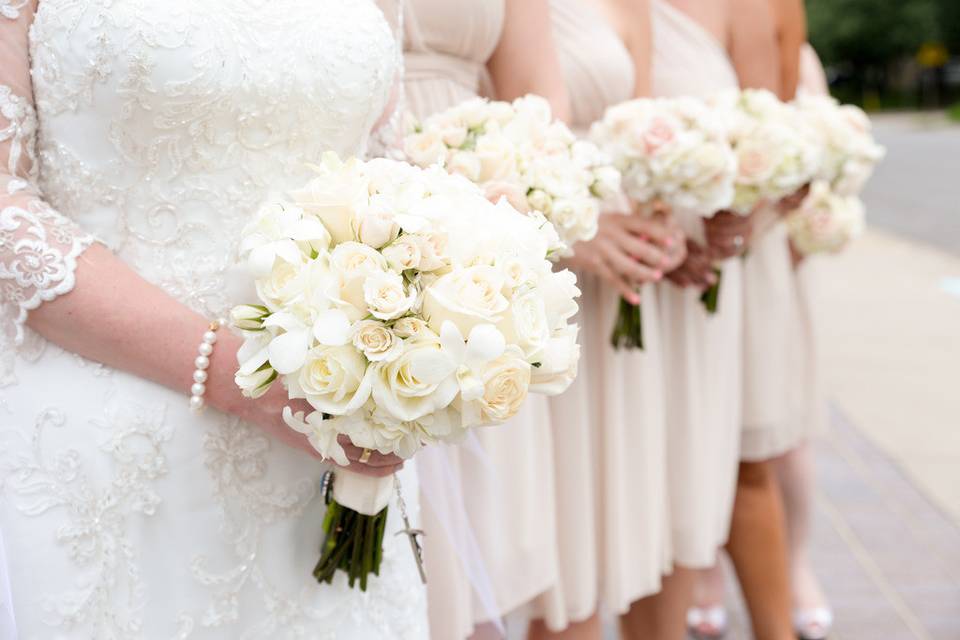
x=737 y=241
x=365 y=456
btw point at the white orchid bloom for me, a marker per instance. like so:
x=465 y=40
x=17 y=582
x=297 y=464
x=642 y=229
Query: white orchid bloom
x=484 y=344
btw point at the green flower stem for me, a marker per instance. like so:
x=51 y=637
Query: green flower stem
x=353 y=543
x=628 y=328
x=711 y=296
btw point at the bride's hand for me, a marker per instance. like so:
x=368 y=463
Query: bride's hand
x=266 y=412
x=622 y=253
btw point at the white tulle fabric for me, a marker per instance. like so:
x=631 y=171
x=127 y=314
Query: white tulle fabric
x=157 y=128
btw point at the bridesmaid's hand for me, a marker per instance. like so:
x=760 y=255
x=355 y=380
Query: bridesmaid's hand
x=622 y=254
x=792 y=202
x=696 y=270
x=728 y=234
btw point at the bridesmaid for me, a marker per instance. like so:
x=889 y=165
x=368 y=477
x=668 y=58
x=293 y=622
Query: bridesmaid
x=609 y=429
x=702 y=353
x=507 y=489
x=758 y=537
x=812 y=616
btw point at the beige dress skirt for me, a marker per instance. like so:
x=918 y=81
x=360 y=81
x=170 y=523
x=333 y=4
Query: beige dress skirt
x=505 y=476
x=702 y=353
x=609 y=440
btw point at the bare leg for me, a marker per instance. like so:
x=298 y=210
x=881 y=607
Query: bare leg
x=661 y=616
x=795 y=474
x=758 y=549
x=589 y=629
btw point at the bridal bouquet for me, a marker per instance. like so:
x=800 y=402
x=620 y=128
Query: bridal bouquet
x=518 y=152
x=826 y=221
x=670 y=150
x=849 y=151
x=405 y=308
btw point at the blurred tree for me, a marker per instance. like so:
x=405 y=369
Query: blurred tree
x=861 y=38
x=869 y=33
x=949 y=19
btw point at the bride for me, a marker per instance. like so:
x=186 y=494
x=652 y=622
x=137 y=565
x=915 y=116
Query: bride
x=136 y=138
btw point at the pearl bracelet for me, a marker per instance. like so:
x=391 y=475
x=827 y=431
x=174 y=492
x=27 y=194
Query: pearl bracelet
x=202 y=363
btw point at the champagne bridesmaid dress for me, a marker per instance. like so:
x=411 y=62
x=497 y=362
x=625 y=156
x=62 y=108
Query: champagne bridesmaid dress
x=783 y=401
x=506 y=478
x=609 y=427
x=702 y=353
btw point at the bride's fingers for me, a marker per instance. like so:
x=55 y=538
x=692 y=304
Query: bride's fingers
x=376 y=472
x=376 y=459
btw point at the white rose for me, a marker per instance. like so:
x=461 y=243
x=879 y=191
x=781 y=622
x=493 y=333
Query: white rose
x=386 y=295
x=756 y=160
x=506 y=381
x=498 y=158
x=353 y=263
x=411 y=327
x=541 y=201
x=425 y=148
x=606 y=182
x=335 y=196
x=559 y=291
x=416 y=384
x=467 y=297
x=330 y=380
x=525 y=323
x=376 y=230
x=403 y=253
x=377 y=341
x=433 y=250
x=466 y=164
x=281 y=285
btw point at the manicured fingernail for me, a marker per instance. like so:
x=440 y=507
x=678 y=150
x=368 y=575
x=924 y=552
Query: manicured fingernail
x=657 y=274
x=643 y=237
x=668 y=242
x=634 y=299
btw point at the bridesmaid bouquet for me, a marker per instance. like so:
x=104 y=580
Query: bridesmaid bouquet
x=777 y=152
x=826 y=221
x=850 y=152
x=405 y=308
x=674 y=151
x=518 y=152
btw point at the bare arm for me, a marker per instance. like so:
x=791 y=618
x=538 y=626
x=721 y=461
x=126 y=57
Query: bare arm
x=791 y=20
x=525 y=60
x=753 y=45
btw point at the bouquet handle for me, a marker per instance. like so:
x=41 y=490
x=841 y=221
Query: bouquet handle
x=367 y=495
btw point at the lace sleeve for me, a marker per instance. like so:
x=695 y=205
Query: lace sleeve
x=386 y=140
x=38 y=246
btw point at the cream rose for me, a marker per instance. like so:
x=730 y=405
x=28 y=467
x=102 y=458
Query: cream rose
x=467 y=297
x=386 y=295
x=354 y=263
x=330 y=380
x=403 y=253
x=466 y=164
x=425 y=148
x=377 y=341
x=335 y=202
x=506 y=382
x=498 y=158
x=376 y=230
x=281 y=285
x=410 y=327
x=433 y=250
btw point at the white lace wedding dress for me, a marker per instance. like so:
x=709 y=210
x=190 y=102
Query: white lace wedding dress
x=157 y=128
